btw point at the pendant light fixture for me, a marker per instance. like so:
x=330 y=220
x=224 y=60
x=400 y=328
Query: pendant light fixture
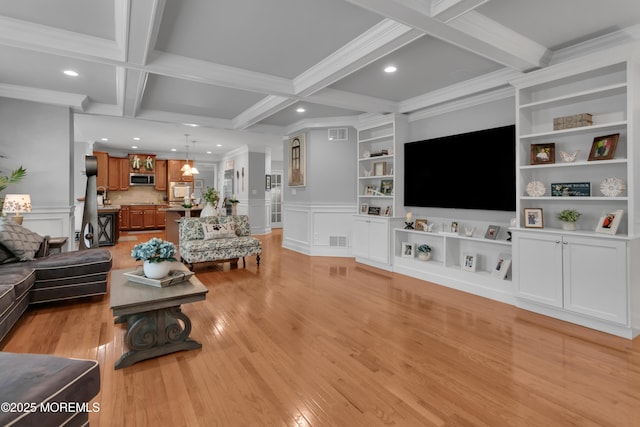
x=185 y=168
x=194 y=170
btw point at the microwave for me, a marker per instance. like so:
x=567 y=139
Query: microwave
x=141 y=179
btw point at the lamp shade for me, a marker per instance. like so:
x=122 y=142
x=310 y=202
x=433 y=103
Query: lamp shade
x=16 y=203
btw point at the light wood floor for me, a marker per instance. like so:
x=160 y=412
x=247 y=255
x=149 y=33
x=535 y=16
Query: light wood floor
x=314 y=341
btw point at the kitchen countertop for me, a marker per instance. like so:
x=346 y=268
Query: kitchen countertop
x=180 y=209
x=108 y=208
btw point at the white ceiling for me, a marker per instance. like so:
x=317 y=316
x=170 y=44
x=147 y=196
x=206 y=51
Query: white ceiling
x=240 y=68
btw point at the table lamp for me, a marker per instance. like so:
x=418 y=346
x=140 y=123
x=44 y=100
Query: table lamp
x=17 y=203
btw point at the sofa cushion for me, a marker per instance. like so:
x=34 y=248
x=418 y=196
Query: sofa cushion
x=21 y=241
x=20 y=276
x=6 y=256
x=72 y=264
x=241 y=222
x=7 y=298
x=49 y=380
x=218 y=231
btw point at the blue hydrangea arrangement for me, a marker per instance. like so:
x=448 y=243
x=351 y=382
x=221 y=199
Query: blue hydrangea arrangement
x=155 y=250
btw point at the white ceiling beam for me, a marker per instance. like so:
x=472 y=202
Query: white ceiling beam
x=467 y=35
x=182 y=67
x=446 y=10
x=44 y=96
x=352 y=101
x=261 y=110
x=27 y=35
x=380 y=40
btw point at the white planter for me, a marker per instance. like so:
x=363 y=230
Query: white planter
x=569 y=226
x=424 y=256
x=156 y=270
x=208 y=210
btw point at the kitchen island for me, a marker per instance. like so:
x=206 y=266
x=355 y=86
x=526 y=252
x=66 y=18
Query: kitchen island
x=108 y=225
x=173 y=215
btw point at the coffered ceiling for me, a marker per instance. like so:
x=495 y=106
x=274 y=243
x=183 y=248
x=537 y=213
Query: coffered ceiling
x=239 y=69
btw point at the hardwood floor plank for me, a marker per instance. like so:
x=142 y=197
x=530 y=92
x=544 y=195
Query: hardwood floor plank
x=321 y=341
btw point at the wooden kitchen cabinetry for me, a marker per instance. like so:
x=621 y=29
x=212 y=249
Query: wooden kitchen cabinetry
x=102 y=178
x=123 y=218
x=175 y=174
x=118 y=174
x=161 y=175
x=141 y=217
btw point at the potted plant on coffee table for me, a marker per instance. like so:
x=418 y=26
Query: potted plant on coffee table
x=157 y=255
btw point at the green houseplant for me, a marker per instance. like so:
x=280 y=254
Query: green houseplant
x=569 y=217
x=13 y=178
x=210 y=197
x=424 y=252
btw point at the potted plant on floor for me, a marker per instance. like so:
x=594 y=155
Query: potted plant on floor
x=569 y=217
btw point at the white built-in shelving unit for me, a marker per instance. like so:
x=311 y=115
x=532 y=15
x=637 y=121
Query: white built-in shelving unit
x=581 y=276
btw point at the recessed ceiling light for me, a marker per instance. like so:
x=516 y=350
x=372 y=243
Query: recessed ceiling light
x=174 y=149
x=300 y=110
x=71 y=73
x=208 y=152
x=218 y=145
x=390 y=69
x=104 y=139
x=135 y=138
x=135 y=147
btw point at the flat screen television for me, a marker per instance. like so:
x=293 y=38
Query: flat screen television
x=474 y=170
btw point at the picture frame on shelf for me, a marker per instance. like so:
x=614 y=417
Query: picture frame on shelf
x=604 y=147
x=420 y=224
x=609 y=222
x=364 y=208
x=503 y=263
x=387 y=211
x=407 y=249
x=373 y=210
x=379 y=168
x=267 y=182
x=386 y=187
x=370 y=190
x=533 y=218
x=469 y=261
x=454 y=227
x=492 y=232
x=543 y=154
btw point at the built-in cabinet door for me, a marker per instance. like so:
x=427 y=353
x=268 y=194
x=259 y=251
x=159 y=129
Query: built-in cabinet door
x=537 y=268
x=595 y=277
x=361 y=237
x=114 y=174
x=136 y=219
x=161 y=175
x=124 y=173
x=379 y=240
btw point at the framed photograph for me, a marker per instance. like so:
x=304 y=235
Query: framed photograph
x=571 y=189
x=420 y=224
x=364 y=208
x=407 y=250
x=386 y=187
x=373 y=210
x=387 y=211
x=604 y=147
x=297 y=159
x=469 y=261
x=267 y=182
x=533 y=218
x=543 y=154
x=370 y=190
x=610 y=222
x=379 y=168
x=503 y=263
x=198 y=184
x=492 y=232
x=454 y=227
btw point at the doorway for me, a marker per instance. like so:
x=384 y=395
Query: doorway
x=276 y=200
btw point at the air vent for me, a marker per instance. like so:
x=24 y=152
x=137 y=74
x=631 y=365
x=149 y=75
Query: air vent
x=338 y=241
x=338 y=134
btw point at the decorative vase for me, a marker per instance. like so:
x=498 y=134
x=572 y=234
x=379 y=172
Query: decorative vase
x=424 y=256
x=568 y=226
x=208 y=210
x=234 y=209
x=156 y=270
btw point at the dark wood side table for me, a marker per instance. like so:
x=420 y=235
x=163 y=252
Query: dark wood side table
x=56 y=244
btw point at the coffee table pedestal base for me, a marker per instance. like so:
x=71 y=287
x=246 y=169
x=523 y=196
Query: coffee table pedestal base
x=155 y=333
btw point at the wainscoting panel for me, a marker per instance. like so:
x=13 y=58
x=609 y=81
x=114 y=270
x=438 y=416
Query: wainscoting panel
x=52 y=221
x=319 y=230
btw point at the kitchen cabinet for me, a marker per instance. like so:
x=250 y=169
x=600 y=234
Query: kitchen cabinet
x=136 y=218
x=118 y=174
x=578 y=274
x=161 y=175
x=175 y=174
x=161 y=216
x=123 y=218
x=102 y=178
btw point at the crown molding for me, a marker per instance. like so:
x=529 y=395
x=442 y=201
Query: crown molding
x=72 y=100
x=325 y=122
x=460 y=104
x=626 y=36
